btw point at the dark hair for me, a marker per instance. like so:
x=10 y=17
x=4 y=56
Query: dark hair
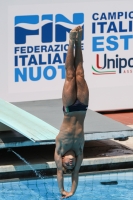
x=67 y=171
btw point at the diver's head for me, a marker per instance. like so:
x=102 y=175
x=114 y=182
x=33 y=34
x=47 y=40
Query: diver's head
x=68 y=161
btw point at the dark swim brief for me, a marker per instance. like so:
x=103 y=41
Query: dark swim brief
x=76 y=106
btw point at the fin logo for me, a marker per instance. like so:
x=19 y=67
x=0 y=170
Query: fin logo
x=30 y=25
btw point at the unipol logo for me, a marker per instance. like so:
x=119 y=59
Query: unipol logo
x=44 y=25
x=106 y=65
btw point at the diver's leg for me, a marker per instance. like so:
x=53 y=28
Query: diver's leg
x=69 y=89
x=82 y=88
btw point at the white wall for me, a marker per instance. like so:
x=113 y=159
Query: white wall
x=101 y=98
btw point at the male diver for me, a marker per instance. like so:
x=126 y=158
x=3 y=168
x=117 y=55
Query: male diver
x=70 y=140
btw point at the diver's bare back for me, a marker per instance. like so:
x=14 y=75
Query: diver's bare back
x=71 y=135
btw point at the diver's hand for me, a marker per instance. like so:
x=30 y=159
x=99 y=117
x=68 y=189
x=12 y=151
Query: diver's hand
x=66 y=194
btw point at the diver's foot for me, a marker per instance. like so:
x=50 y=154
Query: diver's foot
x=73 y=34
x=79 y=36
x=80 y=32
